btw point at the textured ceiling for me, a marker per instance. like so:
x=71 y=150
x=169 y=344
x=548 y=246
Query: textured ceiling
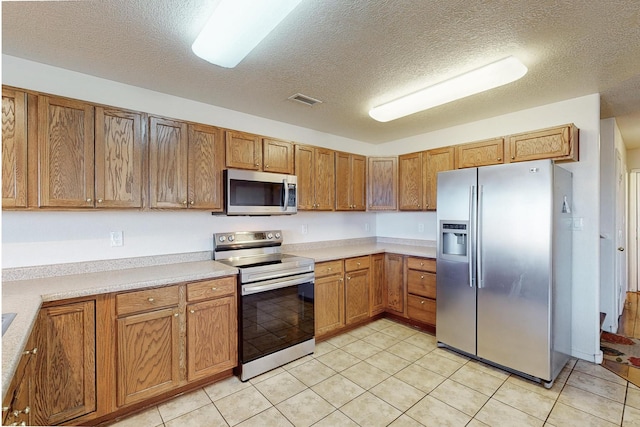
x=352 y=55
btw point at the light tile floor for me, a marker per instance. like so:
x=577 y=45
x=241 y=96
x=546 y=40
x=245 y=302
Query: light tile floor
x=387 y=374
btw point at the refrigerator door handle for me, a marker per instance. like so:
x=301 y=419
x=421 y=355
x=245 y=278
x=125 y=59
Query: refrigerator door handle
x=480 y=278
x=471 y=235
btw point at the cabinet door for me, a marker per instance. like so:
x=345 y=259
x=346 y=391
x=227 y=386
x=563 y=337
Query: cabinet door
x=148 y=355
x=483 y=153
x=17 y=406
x=358 y=182
x=436 y=161
x=410 y=177
x=394 y=271
x=558 y=143
x=343 y=182
x=211 y=337
x=65 y=374
x=243 y=150
x=206 y=153
x=119 y=146
x=421 y=309
x=65 y=149
x=377 y=287
x=382 y=184
x=14 y=149
x=356 y=296
x=325 y=190
x=168 y=146
x=306 y=180
x=277 y=156
x=329 y=304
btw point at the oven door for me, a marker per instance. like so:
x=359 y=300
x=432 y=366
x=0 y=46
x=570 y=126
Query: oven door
x=275 y=314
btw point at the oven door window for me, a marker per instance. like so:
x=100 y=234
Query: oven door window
x=255 y=193
x=276 y=319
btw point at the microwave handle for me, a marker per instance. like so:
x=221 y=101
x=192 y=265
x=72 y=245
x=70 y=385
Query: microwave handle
x=286 y=194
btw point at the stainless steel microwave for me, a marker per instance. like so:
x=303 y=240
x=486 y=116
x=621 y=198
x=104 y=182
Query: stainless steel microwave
x=259 y=193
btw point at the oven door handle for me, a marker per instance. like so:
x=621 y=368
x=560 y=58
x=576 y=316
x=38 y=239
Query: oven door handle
x=277 y=284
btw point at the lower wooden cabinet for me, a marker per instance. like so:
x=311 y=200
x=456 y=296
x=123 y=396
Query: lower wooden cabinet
x=421 y=289
x=356 y=289
x=394 y=272
x=329 y=297
x=377 y=287
x=212 y=343
x=65 y=369
x=17 y=406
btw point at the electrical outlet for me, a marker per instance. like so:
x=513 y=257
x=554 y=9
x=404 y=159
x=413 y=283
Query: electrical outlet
x=420 y=228
x=305 y=228
x=366 y=226
x=117 y=238
x=578 y=224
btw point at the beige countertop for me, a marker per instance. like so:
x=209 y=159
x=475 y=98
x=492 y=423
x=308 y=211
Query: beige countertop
x=25 y=297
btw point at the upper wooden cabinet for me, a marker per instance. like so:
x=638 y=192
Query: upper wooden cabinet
x=559 y=143
x=438 y=160
x=65 y=369
x=411 y=181
x=185 y=165
x=65 y=153
x=482 y=153
x=382 y=184
x=253 y=152
x=350 y=182
x=277 y=156
x=316 y=178
x=119 y=148
x=14 y=149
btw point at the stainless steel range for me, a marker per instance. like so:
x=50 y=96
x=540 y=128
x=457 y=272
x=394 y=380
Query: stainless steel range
x=276 y=317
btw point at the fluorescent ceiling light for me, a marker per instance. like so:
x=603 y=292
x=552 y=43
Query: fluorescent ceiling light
x=490 y=76
x=237 y=26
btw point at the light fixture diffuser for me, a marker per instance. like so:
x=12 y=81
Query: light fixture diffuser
x=236 y=27
x=490 y=76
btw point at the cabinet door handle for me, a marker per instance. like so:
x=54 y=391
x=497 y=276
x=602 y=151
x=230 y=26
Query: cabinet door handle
x=176 y=314
x=513 y=157
x=99 y=200
x=499 y=158
x=192 y=202
x=34 y=351
x=184 y=202
x=266 y=166
x=190 y=311
x=89 y=200
x=348 y=277
x=150 y=300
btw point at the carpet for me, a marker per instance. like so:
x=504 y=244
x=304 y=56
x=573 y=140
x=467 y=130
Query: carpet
x=620 y=349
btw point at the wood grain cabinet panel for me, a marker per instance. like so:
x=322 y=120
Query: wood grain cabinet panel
x=243 y=150
x=394 y=272
x=382 y=184
x=168 y=147
x=211 y=337
x=148 y=355
x=377 y=290
x=119 y=148
x=66 y=153
x=329 y=297
x=558 y=143
x=421 y=289
x=350 y=182
x=14 y=149
x=357 y=295
x=278 y=156
x=438 y=160
x=315 y=170
x=205 y=165
x=410 y=177
x=18 y=406
x=65 y=369
x=147 y=299
x=421 y=309
x=482 y=153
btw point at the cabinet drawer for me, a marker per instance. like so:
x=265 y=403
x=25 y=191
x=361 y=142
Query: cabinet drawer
x=421 y=309
x=149 y=299
x=329 y=268
x=424 y=264
x=359 y=263
x=208 y=289
x=421 y=283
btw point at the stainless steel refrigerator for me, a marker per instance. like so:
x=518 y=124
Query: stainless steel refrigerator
x=504 y=266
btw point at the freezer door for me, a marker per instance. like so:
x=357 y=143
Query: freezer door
x=514 y=266
x=455 y=290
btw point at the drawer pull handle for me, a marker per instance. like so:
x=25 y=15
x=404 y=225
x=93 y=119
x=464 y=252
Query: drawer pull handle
x=422 y=276
x=5 y=408
x=358 y=264
x=34 y=351
x=150 y=300
x=421 y=264
x=421 y=302
x=214 y=289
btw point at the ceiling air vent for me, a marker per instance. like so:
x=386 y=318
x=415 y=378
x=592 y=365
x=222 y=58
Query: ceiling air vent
x=304 y=99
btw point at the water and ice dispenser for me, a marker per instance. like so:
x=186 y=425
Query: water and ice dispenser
x=454 y=240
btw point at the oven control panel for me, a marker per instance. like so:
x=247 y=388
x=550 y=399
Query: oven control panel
x=247 y=239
